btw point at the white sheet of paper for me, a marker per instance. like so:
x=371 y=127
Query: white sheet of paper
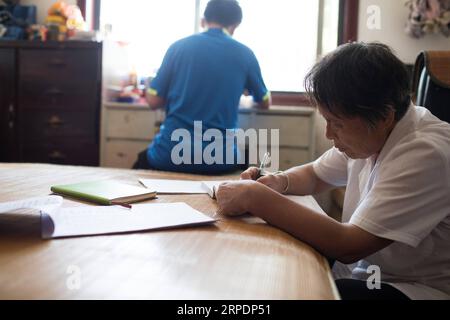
x=46 y=203
x=90 y=220
x=212 y=186
x=173 y=186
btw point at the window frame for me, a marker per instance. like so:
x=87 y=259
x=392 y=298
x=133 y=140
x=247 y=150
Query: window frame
x=347 y=32
x=95 y=9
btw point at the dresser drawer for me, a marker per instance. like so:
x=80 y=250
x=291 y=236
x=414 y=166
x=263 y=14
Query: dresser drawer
x=58 y=95
x=293 y=157
x=122 y=153
x=58 y=65
x=294 y=130
x=62 y=151
x=132 y=124
x=287 y=157
x=57 y=124
x=244 y=121
x=58 y=79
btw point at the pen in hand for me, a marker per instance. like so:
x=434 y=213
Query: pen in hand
x=263 y=165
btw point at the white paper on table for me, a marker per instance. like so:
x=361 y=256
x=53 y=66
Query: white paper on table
x=46 y=203
x=212 y=186
x=182 y=186
x=173 y=186
x=90 y=220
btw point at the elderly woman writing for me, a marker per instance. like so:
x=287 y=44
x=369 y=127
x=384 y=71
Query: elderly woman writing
x=394 y=159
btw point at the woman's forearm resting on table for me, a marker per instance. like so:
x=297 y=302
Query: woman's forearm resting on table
x=342 y=241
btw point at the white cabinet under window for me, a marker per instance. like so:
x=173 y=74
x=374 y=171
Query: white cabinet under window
x=129 y=128
x=295 y=127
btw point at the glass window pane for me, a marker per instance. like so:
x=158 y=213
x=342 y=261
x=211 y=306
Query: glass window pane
x=330 y=26
x=150 y=27
x=283 y=35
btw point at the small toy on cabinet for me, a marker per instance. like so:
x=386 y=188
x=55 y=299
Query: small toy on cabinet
x=56 y=21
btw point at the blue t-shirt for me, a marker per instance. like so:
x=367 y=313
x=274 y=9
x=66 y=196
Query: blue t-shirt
x=202 y=78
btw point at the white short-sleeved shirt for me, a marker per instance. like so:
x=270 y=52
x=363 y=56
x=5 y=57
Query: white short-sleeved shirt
x=403 y=195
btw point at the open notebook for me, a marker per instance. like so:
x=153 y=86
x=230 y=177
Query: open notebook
x=210 y=187
x=167 y=186
x=91 y=220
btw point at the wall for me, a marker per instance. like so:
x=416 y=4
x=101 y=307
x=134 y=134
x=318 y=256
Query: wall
x=394 y=15
x=42 y=7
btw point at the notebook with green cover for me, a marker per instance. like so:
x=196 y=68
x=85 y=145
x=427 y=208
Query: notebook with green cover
x=104 y=192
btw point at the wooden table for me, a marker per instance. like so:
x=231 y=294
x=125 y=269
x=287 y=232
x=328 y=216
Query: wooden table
x=237 y=258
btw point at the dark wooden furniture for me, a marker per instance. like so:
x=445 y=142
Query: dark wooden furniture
x=50 y=102
x=8 y=131
x=431 y=82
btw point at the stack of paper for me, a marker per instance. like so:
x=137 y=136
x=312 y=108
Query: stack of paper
x=90 y=220
x=182 y=186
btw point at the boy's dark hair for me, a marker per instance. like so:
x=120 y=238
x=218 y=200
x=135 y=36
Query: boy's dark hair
x=360 y=79
x=223 y=12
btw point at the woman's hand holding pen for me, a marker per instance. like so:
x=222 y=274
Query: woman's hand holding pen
x=234 y=198
x=277 y=182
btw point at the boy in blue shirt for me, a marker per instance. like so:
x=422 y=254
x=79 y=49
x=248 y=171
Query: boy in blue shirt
x=200 y=82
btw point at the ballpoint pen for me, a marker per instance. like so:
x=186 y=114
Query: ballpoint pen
x=263 y=164
x=262 y=171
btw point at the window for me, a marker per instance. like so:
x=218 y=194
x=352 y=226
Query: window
x=287 y=36
x=283 y=35
x=148 y=27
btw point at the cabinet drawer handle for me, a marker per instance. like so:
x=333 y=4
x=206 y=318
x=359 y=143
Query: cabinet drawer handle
x=55 y=121
x=57 y=63
x=56 y=155
x=11 y=116
x=54 y=92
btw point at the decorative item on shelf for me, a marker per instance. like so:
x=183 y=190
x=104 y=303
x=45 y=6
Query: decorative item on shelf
x=37 y=32
x=56 y=21
x=75 y=21
x=428 y=17
x=132 y=90
x=15 y=19
x=130 y=94
x=63 y=21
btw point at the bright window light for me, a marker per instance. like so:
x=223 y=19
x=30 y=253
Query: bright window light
x=283 y=34
x=149 y=27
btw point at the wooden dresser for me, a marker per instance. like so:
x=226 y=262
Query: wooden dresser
x=128 y=129
x=50 y=96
